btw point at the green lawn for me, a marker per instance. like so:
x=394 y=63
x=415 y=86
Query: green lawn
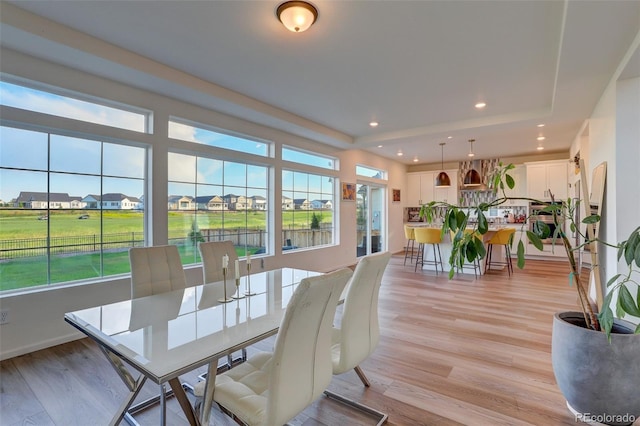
x=33 y=271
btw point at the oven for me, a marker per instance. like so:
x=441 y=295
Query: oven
x=538 y=215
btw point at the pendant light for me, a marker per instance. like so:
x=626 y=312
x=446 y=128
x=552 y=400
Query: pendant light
x=472 y=177
x=442 y=180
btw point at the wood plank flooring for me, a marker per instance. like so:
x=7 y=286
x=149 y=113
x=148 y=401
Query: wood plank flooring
x=452 y=352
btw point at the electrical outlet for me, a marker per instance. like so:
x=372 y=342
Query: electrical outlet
x=4 y=316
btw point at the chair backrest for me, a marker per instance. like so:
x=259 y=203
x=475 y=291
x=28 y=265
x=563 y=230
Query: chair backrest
x=502 y=236
x=155 y=269
x=359 y=329
x=409 y=232
x=428 y=235
x=301 y=364
x=211 y=254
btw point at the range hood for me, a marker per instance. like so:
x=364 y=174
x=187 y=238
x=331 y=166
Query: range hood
x=474 y=174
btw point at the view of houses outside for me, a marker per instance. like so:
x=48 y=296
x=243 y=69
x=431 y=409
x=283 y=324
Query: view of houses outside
x=70 y=208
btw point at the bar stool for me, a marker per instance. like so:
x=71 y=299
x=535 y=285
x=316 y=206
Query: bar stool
x=502 y=237
x=431 y=236
x=476 y=263
x=409 y=234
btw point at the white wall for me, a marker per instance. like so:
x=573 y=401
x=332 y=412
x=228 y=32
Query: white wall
x=36 y=317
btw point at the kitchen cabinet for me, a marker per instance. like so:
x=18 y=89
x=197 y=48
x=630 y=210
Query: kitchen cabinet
x=421 y=188
x=519 y=175
x=546 y=178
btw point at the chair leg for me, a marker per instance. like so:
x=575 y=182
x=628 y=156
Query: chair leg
x=361 y=375
x=487 y=263
x=419 y=257
x=406 y=252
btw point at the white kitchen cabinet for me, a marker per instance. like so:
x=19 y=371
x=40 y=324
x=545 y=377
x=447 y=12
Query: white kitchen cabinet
x=421 y=188
x=450 y=194
x=519 y=175
x=546 y=178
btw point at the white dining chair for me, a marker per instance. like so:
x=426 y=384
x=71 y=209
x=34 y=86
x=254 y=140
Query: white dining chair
x=211 y=253
x=359 y=332
x=271 y=388
x=155 y=269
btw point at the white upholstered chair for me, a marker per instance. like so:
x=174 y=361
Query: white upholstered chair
x=271 y=388
x=155 y=270
x=359 y=332
x=211 y=254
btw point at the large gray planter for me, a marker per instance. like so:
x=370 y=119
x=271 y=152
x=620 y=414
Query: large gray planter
x=599 y=380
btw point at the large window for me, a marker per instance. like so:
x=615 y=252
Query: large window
x=308 y=205
x=186 y=131
x=70 y=207
x=49 y=102
x=215 y=200
x=308 y=158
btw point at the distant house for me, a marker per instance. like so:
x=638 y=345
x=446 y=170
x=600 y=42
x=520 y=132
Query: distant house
x=211 y=202
x=302 y=204
x=258 y=203
x=112 y=201
x=39 y=200
x=321 y=204
x=287 y=203
x=180 y=202
x=236 y=202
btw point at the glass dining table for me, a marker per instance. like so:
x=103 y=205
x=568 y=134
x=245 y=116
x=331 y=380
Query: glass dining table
x=165 y=335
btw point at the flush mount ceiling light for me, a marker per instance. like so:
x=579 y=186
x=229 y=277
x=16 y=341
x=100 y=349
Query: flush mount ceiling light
x=297 y=16
x=471 y=154
x=442 y=180
x=374 y=124
x=480 y=105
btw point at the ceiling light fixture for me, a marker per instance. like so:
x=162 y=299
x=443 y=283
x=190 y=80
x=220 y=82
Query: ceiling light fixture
x=374 y=124
x=471 y=154
x=442 y=180
x=540 y=148
x=541 y=138
x=297 y=16
x=480 y=105
x=541 y=125
x=400 y=154
x=415 y=159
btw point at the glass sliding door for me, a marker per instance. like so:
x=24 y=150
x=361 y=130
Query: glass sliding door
x=370 y=219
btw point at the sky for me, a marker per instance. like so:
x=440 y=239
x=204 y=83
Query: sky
x=76 y=159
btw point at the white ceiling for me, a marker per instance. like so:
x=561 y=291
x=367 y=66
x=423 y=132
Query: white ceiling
x=417 y=67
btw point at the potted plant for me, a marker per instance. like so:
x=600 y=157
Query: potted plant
x=595 y=354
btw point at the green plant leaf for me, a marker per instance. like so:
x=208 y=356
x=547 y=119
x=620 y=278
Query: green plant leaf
x=613 y=280
x=510 y=182
x=471 y=252
x=594 y=218
x=605 y=317
x=535 y=240
x=637 y=329
x=452 y=271
x=483 y=226
x=520 y=254
x=451 y=220
x=541 y=229
x=637 y=256
x=627 y=303
x=480 y=250
x=461 y=219
x=619 y=309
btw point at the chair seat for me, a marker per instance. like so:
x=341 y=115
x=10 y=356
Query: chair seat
x=243 y=390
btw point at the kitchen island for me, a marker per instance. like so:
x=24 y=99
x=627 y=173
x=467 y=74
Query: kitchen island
x=497 y=253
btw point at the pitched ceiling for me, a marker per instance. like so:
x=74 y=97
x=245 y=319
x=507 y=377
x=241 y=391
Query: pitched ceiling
x=416 y=67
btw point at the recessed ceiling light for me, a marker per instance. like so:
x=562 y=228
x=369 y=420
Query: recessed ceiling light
x=540 y=148
x=449 y=137
x=481 y=105
x=541 y=125
x=541 y=138
x=379 y=146
x=374 y=124
x=400 y=154
x=415 y=159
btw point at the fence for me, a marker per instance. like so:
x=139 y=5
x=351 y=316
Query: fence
x=33 y=247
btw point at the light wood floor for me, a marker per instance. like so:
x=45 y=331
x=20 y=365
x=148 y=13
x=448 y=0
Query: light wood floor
x=465 y=351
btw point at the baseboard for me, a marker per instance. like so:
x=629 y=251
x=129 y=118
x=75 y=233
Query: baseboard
x=43 y=344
